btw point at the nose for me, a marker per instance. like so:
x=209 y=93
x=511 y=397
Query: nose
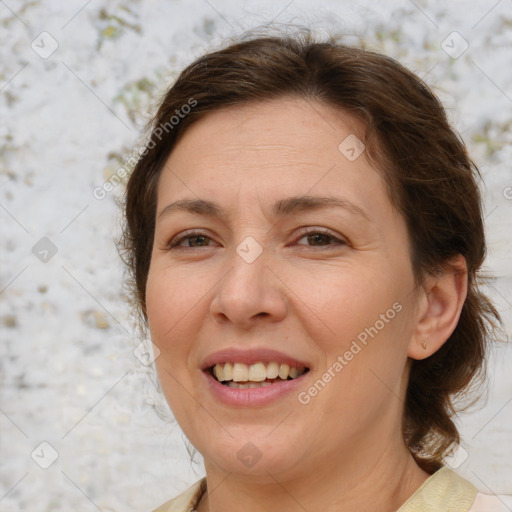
x=249 y=293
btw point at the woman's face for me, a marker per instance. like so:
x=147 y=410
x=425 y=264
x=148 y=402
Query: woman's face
x=274 y=274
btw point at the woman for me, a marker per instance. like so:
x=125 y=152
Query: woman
x=304 y=233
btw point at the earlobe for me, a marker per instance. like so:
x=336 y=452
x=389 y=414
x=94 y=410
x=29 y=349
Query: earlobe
x=442 y=299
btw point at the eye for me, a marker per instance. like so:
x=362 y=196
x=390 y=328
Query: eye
x=194 y=239
x=314 y=237
x=320 y=238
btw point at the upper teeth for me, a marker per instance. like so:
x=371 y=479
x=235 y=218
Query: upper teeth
x=258 y=372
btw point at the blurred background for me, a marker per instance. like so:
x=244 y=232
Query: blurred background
x=82 y=423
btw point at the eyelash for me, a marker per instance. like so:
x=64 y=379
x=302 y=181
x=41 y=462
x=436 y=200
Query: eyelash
x=176 y=244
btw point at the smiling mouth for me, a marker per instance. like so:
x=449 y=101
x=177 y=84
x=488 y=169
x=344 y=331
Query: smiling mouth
x=243 y=376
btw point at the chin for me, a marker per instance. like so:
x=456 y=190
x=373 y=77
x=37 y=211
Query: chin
x=254 y=456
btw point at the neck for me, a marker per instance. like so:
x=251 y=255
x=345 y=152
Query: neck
x=369 y=482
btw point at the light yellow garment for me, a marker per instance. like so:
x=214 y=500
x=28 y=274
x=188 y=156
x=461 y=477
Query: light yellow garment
x=187 y=501
x=444 y=491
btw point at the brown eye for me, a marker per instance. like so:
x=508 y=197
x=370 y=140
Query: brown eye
x=194 y=240
x=320 y=239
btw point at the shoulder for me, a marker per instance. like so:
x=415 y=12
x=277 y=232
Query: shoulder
x=445 y=490
x=491 y=503
x=186 y=501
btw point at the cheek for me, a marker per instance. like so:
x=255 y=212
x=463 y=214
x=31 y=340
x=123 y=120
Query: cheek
x=167 y=306
x=347 y=303
x=171 y=300
x=159 y=301
x=362 y=323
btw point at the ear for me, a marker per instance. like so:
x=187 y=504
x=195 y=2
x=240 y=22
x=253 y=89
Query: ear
x=440 y=302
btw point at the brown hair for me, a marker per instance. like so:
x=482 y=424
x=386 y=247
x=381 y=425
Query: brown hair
x=430 y=178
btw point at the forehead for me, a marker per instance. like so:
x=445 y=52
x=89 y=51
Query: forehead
x=300 y=126
x=270 y=149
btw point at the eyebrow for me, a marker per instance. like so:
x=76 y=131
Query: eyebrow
x=282 y=208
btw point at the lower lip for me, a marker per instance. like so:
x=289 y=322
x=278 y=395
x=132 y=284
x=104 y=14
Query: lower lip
x=252 y=397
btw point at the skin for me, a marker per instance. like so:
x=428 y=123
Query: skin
x=308 y=297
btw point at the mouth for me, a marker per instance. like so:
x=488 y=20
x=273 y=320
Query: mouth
x=238 y=375
x=253 y=377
